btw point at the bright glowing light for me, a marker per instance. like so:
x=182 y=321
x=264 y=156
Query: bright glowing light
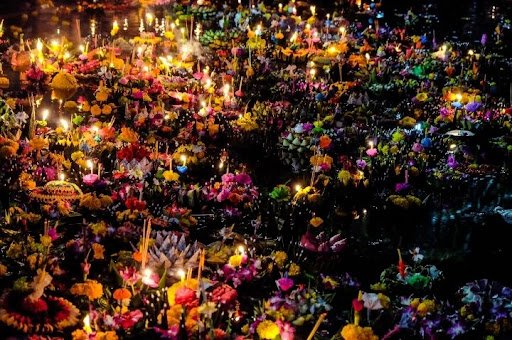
x=87 y=324
x=181 y=274
x=458 y=97
x=39 y=45
x=298 y=187
x=241 y=249
x=65 y=124
x=45 y=114
x=226 y=89
x=62 y=176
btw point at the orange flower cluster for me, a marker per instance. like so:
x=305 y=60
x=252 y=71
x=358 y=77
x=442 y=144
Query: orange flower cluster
x=90 y=288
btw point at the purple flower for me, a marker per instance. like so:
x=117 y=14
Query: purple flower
x=472 y=107
x=399 y=187
x=361 y=163
x=444 y=112
x=483 y=40
x=417 y=147
x=452 y=162
x=455 y=330
x=284 y=284
x=307 y=127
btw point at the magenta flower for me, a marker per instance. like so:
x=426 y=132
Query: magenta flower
x=372 y=152
x=284 y=284
x=399 y=187
x=243 y=178
x=129 y=275
x=417 y=147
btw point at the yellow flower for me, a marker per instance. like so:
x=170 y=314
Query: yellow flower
x=267 y=330
x=98 y=250
x=280 y=258
x=425 y=307
x=294 y=269
x=46 y=240
x=422 y=96
x=99 y=228
x=384 y=300
x=77 y=155
x=344 y=176
x=127 y=135
x=354 y=332
x=171 y=176
x=235 y=260
x=415 y=303
x=316 y=222
x=38 y=143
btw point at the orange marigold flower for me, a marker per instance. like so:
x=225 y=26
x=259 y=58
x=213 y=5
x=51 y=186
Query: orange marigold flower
x=122 y=294
x=325 y=142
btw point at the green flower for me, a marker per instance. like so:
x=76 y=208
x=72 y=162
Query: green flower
x=77 y=120
x=418 y=281
x=281 y=193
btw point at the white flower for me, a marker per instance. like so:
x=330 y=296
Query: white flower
x=416 y=256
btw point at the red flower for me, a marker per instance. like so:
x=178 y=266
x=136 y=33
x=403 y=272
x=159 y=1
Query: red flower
x=401 y=264
x=224 y=294
x=187 y=297
x=218 y=334
x=357 y=305
x=133 y=203
x=34 y=306
x=128 y=320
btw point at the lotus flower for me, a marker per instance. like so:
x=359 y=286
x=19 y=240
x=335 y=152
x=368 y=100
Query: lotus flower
x=172 y=251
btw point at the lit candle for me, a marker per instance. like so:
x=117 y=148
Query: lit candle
x=184 y=159
x=241 y=249
x=181 y=274
x=90 y=165
x=65 y=124
x=62 y=176
x=87 y=324
x=45 y=114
